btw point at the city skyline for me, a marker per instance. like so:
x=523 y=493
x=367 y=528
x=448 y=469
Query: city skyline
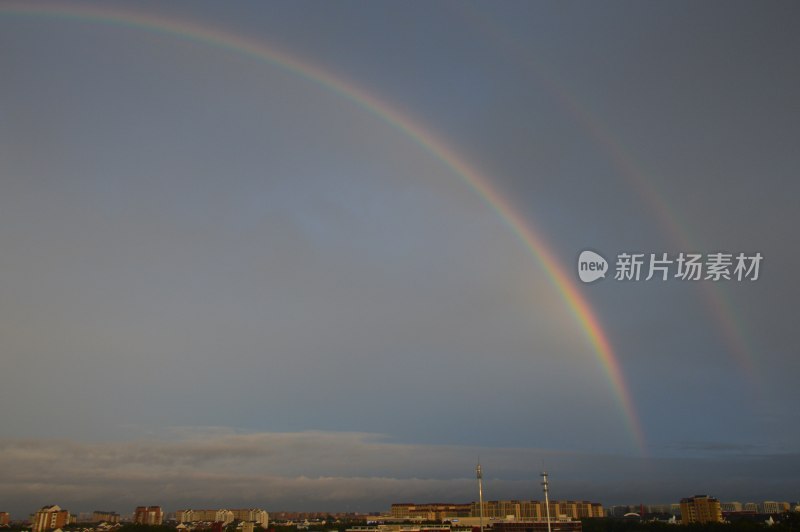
x=306 y=255
x=464 y=512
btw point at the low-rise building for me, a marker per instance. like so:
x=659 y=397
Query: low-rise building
x=102 y=516
x=503 y=509
x=774 y=507
x=734 y=506
x=430 y=511
x=251 y=515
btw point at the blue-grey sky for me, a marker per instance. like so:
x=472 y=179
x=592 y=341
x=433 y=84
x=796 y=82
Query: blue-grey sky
x=219 y=274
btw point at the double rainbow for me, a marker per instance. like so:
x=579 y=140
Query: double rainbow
x=258 y=50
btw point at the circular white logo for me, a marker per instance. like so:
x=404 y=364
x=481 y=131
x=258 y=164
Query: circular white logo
x=591 y=266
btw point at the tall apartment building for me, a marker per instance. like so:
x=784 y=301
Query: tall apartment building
x=224 y=516
x=700 y=509
x=5 y=518
x=148 y=515
x=50 y=518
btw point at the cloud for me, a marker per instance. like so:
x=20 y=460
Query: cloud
x=329 y=471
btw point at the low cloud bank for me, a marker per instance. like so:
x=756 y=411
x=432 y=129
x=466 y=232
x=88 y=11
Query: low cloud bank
x=346 y=471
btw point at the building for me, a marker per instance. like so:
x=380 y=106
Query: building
x=50 y=518
x=657 y=509
x=5 y=518
x=619 y=510
x=733 y=506
x=774 y=507
x=224 y=516
x=194 y=516
x=494 y=510
x=430 y=511
x=252 y=515
x=148 y=515
x=513 y=509
x=579 y=509
x=101 y=516
x=248 y=515
x=700 y=509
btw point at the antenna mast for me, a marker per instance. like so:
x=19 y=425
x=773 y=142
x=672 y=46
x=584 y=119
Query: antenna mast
x=480 y=491
x=546 y=489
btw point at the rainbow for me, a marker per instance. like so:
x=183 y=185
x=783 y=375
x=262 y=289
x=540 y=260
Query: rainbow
x=732 y=329
x=256 y=49
x=722 y=311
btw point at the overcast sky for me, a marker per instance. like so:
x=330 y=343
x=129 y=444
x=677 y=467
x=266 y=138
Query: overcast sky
x=223 y=282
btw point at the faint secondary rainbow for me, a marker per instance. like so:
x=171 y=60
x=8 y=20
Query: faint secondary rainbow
x=732 y=329
x=533 y=241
